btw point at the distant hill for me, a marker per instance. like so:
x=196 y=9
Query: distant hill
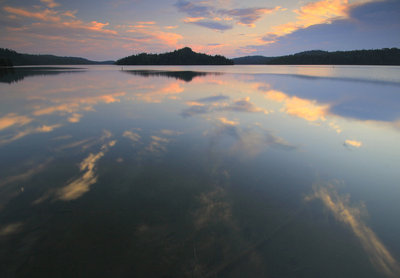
x=19 y=59
x=184 y=56
x=252 y=60
x=385 y=56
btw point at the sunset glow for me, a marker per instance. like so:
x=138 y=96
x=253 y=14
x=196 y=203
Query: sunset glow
x=114 y=29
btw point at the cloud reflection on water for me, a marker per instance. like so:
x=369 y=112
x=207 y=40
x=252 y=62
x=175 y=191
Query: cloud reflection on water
x=340 y=206
x=248 y=141
x=81 y=185
x=220 y=103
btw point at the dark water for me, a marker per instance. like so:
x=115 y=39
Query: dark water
x=240 y=171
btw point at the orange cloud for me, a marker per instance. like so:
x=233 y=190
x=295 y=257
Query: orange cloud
x=46 y=15
x=192 y=19
x=92 y=26
x=158 y=94
x=12 y=119
x=339 y=206
x=81 y=185
x=225 y=121
x=310 y=14
x=306 y=109
x=353 y=143
x=171 y=27
x=146 y=22
x=309 y=110
x=28 y=131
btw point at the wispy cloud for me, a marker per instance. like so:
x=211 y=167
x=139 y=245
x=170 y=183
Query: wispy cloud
x=352 y=143
x=81 y=185
x=215 y=25
x=340 y=207
x=249 y=141
x=307 y=109
x=156 y=94
x=50 y=3
x=214 y=208
x=9 y=138
x=13 y=119
x=311 y=14
x=225 y=121
x=43 y=26
x=210 y=16
x=45 y=15
x=248 y=16
x=10 y=229
x=157 y=144
x=220 y=103
x=133 y=136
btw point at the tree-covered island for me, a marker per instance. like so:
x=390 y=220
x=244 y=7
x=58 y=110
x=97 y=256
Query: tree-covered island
x=184 y=56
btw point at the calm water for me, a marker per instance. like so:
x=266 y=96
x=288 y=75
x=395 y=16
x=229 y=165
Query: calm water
x=237 y=171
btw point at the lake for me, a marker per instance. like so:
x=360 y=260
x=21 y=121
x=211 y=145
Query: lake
x=200 y=171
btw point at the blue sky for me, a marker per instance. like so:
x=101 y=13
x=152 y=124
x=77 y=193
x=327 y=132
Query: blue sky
x=111 y=29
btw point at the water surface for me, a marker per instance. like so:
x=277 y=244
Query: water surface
x=222 y=171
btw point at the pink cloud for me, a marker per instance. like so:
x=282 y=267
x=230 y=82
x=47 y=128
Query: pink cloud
x=45 y=15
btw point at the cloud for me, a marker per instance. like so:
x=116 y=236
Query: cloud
x=339 y=26
x=157 y=144
x=212 y=17
x=10 y=229
x=156 y=94
x=13 y=119
x=25 y=175
x=310 y=14
x=244 y=105
x=218 y=104
x=169 y=132
x=309 y=110
x=81 y=185
x=59 y=32
x=50 y=3
x=75 y=118
x=215 y=25
x=72 y=104
x=214 y=208
x=212 y=99
x=45 y=15
x=28 y=131
x=352 y=143
x=340 y=207
x=225 y=121
x=133 y=136
x=171 y=27
x=194 y=10
x=248 y=16
x=248 y=141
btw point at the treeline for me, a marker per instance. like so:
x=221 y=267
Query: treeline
x=252 y=60
x=19 y=59
x=385 y=56
x=184 y=56
x=4 y=62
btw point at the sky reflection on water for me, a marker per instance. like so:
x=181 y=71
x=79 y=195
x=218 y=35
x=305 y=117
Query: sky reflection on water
x=203 y=172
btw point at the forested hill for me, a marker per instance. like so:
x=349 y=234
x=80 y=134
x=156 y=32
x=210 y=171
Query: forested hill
x=184 y=56
x=19 y=59
x=385 y=56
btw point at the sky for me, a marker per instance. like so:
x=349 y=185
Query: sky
x=112 y=29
